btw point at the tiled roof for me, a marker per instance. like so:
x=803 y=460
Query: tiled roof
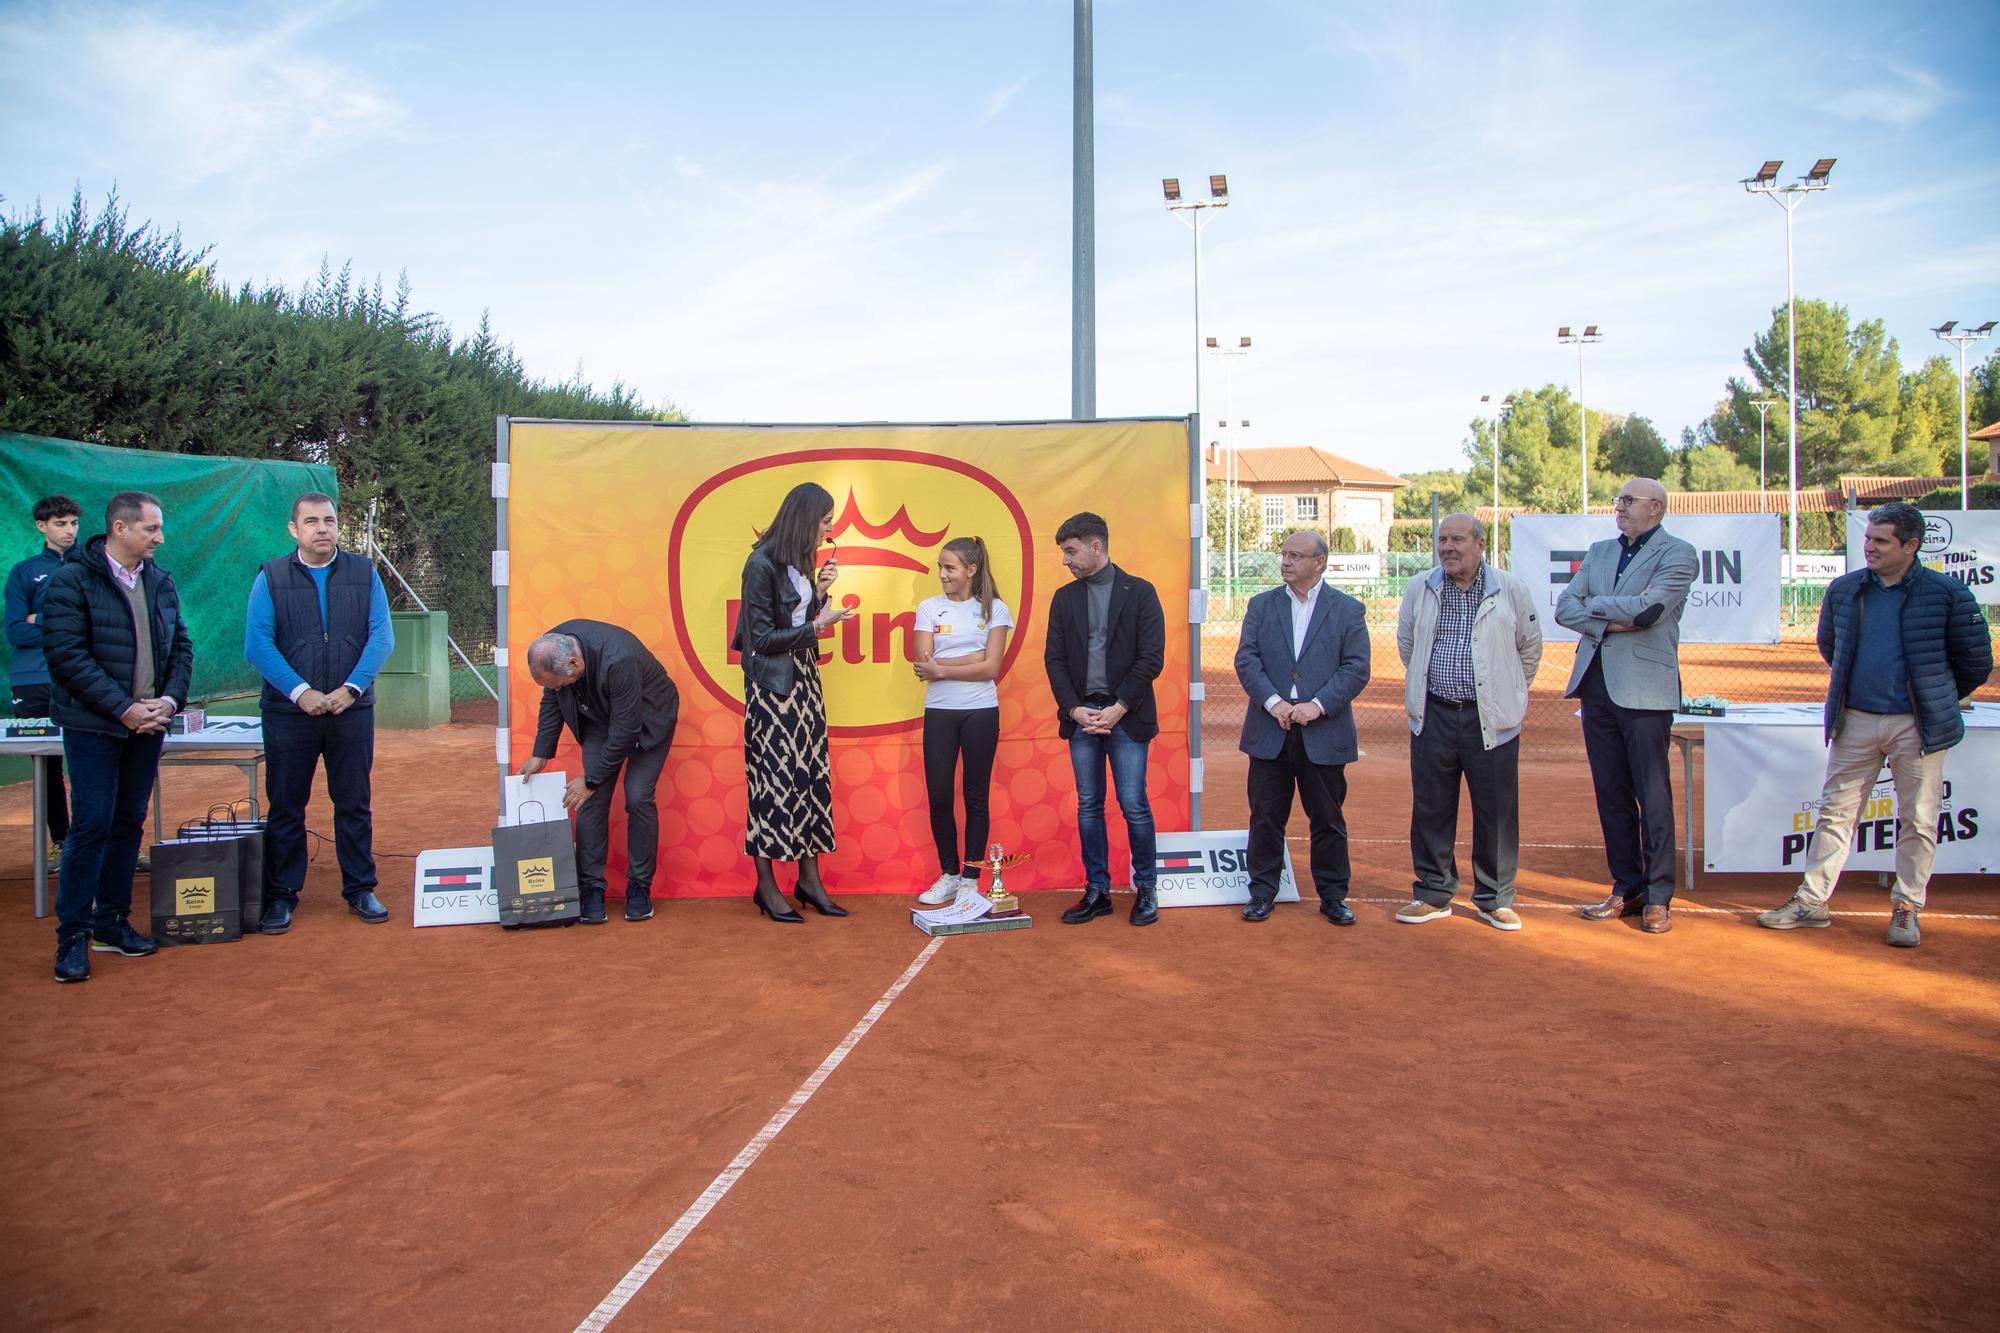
x=1302 y=463
x=1991 y=432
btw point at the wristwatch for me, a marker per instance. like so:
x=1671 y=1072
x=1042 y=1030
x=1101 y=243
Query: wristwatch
x=349 y=687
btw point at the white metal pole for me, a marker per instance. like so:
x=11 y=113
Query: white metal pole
x=1498 y=415
x=1760 y=456
x=1964 y=470
x=1582 y=433
x=1792 y=389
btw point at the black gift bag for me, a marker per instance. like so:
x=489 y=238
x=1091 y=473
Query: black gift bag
x=248 y=836
x=534 y=872
x=195 y=897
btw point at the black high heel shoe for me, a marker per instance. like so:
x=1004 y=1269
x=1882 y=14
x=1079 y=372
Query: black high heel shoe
x=816 y=897
x=781 y=913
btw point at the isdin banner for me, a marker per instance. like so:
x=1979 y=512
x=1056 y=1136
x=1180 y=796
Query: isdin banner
x=648 y=526
x=1735 y=595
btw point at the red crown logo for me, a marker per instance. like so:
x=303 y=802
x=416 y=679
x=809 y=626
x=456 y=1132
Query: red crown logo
x=851 y=519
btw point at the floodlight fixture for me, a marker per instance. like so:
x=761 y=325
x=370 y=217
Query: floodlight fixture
x=1945 y=327
x=1820 y=171
x=1987 y=327
x=1562 y=334
x=1218 y=187
x=1766 y=173
x=1590 y=331
x=1245 y=341
x=1211 y=343
x=1171 y=187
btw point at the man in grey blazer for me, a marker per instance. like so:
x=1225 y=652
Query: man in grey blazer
x=1626 y=602
x=1302 y=658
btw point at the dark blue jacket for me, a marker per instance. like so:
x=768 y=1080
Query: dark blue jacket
x=1330 y=670
x=1947 y=648
x=91 y=642
x=25 y=583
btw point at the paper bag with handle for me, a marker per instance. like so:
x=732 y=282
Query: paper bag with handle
x=534 y=870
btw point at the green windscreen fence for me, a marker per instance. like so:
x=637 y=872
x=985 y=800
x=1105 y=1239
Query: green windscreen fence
x=224 y=517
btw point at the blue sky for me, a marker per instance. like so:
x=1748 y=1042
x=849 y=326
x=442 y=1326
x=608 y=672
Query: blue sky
x=813 y=212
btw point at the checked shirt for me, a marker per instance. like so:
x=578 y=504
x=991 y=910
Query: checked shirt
x=1450 y=675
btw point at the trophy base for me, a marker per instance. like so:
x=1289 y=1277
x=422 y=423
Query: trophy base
x=983 y=926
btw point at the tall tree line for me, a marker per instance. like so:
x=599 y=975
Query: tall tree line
x=124 y=335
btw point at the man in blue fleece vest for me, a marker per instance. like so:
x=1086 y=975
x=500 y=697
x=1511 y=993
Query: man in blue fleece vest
x=1905 y=644
x=318 y=631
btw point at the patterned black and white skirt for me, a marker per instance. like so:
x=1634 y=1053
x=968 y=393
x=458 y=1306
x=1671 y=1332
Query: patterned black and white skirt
x=789 y=770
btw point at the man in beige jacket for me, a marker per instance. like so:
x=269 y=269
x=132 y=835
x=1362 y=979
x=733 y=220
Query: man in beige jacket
x=1470 y=642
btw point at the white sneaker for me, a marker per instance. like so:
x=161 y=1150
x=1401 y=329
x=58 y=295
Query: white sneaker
x=946 y=890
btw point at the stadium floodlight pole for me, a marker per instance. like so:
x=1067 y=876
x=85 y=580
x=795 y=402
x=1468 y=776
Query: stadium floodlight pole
x=1499 y=413
x=1194 y=212
x=1761 y=404
x=1083 y=226
x=1230 y=536
x=1588 y=336
x=1961 y=338
x=1765 y=182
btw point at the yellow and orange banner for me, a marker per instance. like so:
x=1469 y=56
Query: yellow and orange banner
x=648 y=527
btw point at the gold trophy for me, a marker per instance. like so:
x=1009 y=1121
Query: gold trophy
x=997 y=860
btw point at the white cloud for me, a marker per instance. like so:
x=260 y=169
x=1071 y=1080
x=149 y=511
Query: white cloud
x=1001 y=97
x=202 y=102
x=1902 y=105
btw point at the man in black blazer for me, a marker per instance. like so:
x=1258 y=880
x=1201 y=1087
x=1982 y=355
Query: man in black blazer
x=620 y=704
x=1302 y=658
x=1106 y=642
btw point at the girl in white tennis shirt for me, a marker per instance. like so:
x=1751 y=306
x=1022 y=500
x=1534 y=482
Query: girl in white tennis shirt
x=961 y=640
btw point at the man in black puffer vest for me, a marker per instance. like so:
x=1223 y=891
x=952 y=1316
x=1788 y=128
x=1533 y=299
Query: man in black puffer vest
x=318 y=631
x=119 y=664
x=1906 y=644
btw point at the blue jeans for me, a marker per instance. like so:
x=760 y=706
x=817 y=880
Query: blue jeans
x=110 y=784
x=1087 y=754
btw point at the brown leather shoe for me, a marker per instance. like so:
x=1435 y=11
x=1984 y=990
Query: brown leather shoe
x=1615 y=906
x=1658 y=920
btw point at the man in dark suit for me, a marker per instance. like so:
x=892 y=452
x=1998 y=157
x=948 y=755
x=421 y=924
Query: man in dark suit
x=1302 y=658
x=620 y=704
x=1106 y=642
x=1625 y=602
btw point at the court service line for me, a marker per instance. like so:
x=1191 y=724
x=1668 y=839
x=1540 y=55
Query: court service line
x=629 y=1285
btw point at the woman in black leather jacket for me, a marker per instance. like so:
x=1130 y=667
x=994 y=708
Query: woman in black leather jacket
x=785 y=606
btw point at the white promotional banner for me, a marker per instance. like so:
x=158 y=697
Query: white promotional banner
x=1734 y=598
x=1766 y=764
x=1361 y=567
x=1964 y=544
x=1212 y=869
x=455 y=888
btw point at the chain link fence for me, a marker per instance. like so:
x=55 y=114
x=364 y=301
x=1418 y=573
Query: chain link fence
x=1789 y=671
x=449 y=571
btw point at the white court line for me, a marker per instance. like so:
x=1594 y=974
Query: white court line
x=629 y=1285
x=1926 y=914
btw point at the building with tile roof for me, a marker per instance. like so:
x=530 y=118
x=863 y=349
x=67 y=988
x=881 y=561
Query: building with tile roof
x=1298 y=486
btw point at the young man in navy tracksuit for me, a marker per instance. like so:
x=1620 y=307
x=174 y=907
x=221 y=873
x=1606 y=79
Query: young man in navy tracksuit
x=318 y=631
x=56 y=518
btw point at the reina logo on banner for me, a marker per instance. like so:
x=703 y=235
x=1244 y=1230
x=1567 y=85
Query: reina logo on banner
x=893 y=511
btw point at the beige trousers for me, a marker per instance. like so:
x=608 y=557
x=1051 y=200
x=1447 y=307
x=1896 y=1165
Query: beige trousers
x=1864 y=742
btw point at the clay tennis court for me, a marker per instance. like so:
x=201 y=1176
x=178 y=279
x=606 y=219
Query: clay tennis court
x=1201 y=1125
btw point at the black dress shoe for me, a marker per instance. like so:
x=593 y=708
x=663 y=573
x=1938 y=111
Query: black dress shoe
x=590 y=907
x=277 y=917
x=1258 y=910
x=121 y=938
x=1340 y=914
x=1146 y=908
x=777 y=909
x=368 y=907
x=1093 y=904
x=816 y=897
x=73 y=957
x=638 y=906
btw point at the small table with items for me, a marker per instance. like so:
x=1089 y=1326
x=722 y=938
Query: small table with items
x=1766 y=765
x=232 y=742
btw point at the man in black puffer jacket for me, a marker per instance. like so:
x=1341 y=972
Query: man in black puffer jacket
x=1906 y=644
x=119 y=661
